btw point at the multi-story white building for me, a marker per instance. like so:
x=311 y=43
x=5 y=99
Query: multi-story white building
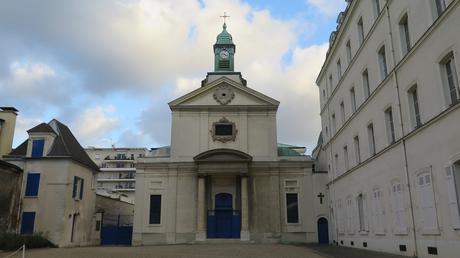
x=117 y=169
x=389 y=92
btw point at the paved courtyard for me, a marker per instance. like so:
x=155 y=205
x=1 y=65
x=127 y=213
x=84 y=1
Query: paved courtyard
x=213 y=250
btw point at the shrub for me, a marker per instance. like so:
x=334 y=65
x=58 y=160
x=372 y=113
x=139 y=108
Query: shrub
x=9 y=241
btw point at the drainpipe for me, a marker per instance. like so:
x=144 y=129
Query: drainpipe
x=406 y=164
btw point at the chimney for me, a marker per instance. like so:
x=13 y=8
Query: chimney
x=7 y=126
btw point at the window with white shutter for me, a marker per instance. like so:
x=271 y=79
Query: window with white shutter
x=350 y=224
x=398 y=208
x=426 y=201
x=377 y=211
x=340 y=215
x=452 y=185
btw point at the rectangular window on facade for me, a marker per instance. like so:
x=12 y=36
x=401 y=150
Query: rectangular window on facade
x=453 y=190
x=340 y=216
x=345 y=158
x=366 y=86
x=450 y=79
x=339 y=69
x=37 y=147
x=32 y=184
x=383 y=62
x=331 y=83
x=377 y=9
x=404 y=32
x=414 y=107
x=353 y=99
x=350 y=225
x=370 y=132
x=348 y=49
x=426 y=200
x=440 y=6
x=357 y=150
x=336 y=163
x=27 y=223
x=360 y=31
x=155 y=209
x=377 y=207
x=77 y=190
x=334 y=124
x=342 y=112
x=292 y=208
x=390 y=125
x=398 y=207
x=361 y=213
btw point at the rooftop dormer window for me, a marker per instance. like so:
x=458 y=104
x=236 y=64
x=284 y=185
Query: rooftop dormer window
x=37 y=147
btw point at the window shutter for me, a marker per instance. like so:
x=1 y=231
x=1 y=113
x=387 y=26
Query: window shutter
x=32 y=184
x=452 y=195
x=75 y=186
x=81 y=188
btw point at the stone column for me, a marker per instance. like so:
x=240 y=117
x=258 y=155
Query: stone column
x=244 y=235
x=201 y=210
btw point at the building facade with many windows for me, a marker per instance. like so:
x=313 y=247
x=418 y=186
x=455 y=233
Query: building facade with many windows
x=117 y=174
x=389 y=94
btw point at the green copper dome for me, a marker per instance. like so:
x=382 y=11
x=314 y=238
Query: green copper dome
x=224 y=37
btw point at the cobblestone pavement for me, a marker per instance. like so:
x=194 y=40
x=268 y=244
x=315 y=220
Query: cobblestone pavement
x=207 y=251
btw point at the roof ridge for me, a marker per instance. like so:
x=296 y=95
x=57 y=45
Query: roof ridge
x=58 y=124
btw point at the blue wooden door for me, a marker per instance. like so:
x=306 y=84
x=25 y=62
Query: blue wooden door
x=28 y=221
x=224 y=215
x=323 y=231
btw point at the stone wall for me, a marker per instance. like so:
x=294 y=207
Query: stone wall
x=10 y=189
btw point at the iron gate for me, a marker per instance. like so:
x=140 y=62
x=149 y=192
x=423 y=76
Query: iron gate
x=116 y=229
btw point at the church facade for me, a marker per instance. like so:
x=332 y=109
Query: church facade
x=226 y=177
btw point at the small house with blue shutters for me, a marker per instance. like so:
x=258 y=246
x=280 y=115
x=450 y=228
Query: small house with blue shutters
x=58 y=195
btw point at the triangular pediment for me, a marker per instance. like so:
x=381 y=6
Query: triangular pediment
x=224 y=92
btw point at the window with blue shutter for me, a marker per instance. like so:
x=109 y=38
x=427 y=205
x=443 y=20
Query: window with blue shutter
x=155 y=209
x=37 y=147
x=32 y=185
x=27 y=223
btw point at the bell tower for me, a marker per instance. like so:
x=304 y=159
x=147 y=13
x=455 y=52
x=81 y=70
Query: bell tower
x=224 y=51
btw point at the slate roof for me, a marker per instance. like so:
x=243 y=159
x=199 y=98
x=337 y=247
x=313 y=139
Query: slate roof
x=41 y=128
x=65 y=144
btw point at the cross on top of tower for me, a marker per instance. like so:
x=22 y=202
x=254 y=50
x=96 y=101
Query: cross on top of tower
x=225 y=16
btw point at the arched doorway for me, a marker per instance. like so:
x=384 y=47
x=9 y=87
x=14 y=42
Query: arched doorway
x=323 y=231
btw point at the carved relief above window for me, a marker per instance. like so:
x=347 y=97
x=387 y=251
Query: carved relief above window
x=223 y=94
x=223 y=130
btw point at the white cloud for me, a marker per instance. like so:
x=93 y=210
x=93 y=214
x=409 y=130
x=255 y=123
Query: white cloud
x=156 y=48
x=328 y=7
x=94 y=125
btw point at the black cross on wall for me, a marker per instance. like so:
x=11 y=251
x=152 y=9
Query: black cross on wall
x=320 y=196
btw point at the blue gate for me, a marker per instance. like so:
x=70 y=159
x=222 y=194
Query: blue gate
x=224 y=222
x=116 y=229
x=323 y=231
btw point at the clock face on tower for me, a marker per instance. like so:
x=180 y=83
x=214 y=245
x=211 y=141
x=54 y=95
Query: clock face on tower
x=224 y=54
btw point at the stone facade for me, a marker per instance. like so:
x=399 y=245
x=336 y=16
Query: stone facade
x=10 y=196
x=389 y=94
x=224 y=177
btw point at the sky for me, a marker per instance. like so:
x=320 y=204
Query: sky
x=108 y=68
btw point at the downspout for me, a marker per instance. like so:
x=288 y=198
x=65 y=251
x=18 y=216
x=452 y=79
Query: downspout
x=406 y=165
